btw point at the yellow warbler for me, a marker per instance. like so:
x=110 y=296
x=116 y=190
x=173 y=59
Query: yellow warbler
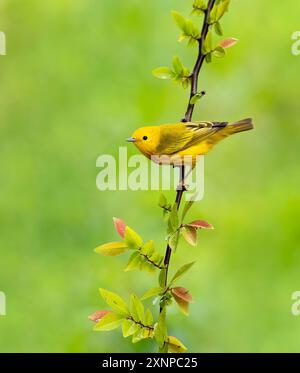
x=171 y=143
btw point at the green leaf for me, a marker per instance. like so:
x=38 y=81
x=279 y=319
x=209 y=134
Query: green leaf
x=142 y=333
x=186 y=208
x=132 y=239
x=163 y=72
x=179 y=19
x=136 y=308
x=181 y=271
x=133 y=261
x=152 y=293
x=173 y=240
x=218 y=28
x=185 y=82
x=218 y=11
x=147 y=333
x=174 y=345
x=190 y=31
x=151 y=258
x=222 y=8
x=115 y=302
x=173 y=219
x=219 y=52
x=112 y=248
x=138 y=335
x=129 y=327
x=183 y=37
x=148 y=318
x=196 y=98
x=190 y=235
x=109 y=322
x=207 y=45
x=160 y=329
x=177 y=65
x=199 y=6
x=148 y=248
x=181 y=73
x=162 y=202
x=208 y=58
x=213 y=15
x=145 y=259
x=149 y=267
x=162 y=277
x=155 y=257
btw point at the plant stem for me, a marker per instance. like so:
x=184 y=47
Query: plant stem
x=188 y=117
x=199 y=62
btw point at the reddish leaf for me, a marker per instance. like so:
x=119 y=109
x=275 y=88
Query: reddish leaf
x=227 y=43
x=200 y=224
x=96 y=316
x=182 y=304
x=190 y=235
x=119 y=226
x=182 y=293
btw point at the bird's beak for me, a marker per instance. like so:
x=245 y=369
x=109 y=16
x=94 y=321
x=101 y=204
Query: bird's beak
x=131 y=139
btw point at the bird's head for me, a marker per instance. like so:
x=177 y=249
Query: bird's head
x=146 y=139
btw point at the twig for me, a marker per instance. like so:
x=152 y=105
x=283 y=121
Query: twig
x=199 y=62
x=149 y=260
x=188 y=117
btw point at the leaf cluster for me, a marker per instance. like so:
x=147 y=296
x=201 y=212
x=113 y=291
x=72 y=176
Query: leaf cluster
x=143 y=255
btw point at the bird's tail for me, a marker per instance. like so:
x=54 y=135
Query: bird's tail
x=240 y=126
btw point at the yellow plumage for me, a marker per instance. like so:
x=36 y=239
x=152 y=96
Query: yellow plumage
x=176 y=141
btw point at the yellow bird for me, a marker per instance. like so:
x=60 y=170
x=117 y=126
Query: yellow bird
x=180 y=142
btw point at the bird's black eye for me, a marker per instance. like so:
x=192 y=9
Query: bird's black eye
x=145 y=137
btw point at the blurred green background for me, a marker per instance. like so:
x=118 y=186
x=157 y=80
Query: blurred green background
x=76 y=81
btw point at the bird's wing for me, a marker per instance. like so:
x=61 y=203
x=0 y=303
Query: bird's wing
x=177 y=137
x=173 y=138
x=203 y=131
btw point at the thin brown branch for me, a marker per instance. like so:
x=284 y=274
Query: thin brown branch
x=150 y=328
x=150 y=261
x=188 y=116
x=199 y=62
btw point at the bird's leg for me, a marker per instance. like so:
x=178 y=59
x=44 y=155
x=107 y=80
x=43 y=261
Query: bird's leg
x=182 y=184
